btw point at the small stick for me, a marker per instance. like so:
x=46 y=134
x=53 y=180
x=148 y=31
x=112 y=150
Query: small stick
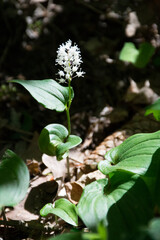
x=5 y=223
x=68 y=170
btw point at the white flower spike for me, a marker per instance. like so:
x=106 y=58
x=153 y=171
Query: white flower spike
x=69 y=58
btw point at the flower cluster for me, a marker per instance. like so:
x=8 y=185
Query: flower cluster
x=69 y=58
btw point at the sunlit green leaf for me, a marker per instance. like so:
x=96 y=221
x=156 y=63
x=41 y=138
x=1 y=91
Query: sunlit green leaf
x=54 y=141
x=14 y=179
x=47 y=92
x=134 y=154
x=123 y=204
x=129 y=53
x=154 y=109
x=63 y=209
x=139 y=58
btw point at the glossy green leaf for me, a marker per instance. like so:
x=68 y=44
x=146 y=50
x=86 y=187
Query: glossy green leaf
x=129 y=53
x=63 y=209
x=139 y=58
x=123 y=204
x=77 y=236
x=152 y=178
x=54 y=141
x=133 y=155
x=154 y=229
x=14 y=179
x=146 y=51
x=154 y=109
x=47 y=92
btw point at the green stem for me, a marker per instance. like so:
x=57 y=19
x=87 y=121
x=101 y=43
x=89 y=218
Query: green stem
x=69 y=87
x=68 y=121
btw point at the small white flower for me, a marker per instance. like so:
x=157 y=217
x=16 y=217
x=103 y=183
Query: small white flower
x=69 y=58
x=67 y=76
x=67 y=69
x=80 y=74
x=75 y=68
x=68 y=44
x=61 y=80
x=61 y=73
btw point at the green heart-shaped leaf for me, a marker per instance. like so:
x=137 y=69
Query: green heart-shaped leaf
x=48 y=92
x=129 y=53
x=146 y=51
x=119 y=204
x=63 y=209
x=54 y=141
x=139 y=57
x=14 y=179
x=133 y=155
x=155 y=109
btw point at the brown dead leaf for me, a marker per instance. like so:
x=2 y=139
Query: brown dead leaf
x=58 y=168
x=140 y=94
x=90 y=177
x=133 y=24
x=33 y=167
x=74 y=189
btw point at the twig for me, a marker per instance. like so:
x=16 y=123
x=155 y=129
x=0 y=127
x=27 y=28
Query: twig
x=68 y=170
x=5 y=223
x=75 y=160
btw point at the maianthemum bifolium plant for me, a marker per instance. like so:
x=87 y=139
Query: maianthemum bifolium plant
x=55 y=139
x=123 y=205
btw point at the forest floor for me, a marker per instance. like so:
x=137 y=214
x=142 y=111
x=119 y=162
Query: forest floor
x=109 y=103
x=48 y=177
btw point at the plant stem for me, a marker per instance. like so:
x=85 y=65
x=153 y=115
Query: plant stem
x=68 y=121
x=68 y=170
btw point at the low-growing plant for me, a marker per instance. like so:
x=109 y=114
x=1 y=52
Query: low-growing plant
x=127 y=199
x=56 y=139
x=120 y=205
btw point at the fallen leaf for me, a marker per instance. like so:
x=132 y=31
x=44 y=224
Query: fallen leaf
x=57 y=168
x=75 y=189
